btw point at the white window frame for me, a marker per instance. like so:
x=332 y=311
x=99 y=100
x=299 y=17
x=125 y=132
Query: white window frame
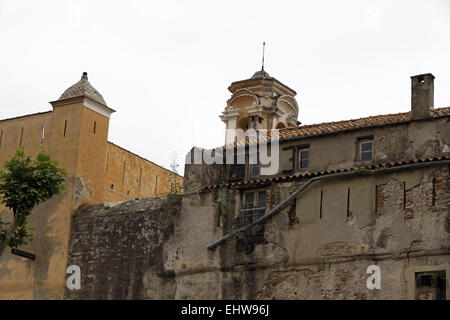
x=362 y=141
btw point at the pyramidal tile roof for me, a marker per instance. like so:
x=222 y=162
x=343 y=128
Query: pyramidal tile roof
x=83 y=89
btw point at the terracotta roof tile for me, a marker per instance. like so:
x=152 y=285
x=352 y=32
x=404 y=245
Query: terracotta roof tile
x=324 y=128
x=284 y=178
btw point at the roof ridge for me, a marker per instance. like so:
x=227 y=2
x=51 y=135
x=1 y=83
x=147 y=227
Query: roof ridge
x=348 y=120
x=145 y=159
x=296 y=176
x=26 y=115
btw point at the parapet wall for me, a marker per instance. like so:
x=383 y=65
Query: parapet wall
x=119 y=251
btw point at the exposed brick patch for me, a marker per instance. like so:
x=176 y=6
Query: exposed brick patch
x=436 y=185
x=379 y=200
x=293 y=220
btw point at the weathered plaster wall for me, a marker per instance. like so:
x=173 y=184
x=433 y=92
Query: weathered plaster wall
x=89 y=183
x=16 y=273
x=303 y=256
x=11 y=132
x=70 y=139
x=44 y=278
x=412 y=140
x=308 y=257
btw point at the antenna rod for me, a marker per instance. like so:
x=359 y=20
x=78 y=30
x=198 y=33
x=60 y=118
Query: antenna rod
x=264 y=45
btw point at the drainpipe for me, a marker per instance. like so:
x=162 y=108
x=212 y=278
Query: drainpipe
x=283 y=204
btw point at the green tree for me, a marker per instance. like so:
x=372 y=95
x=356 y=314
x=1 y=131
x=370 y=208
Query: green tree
x=24 y=184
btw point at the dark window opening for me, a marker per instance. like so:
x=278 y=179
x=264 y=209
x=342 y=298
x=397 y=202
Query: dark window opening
x=404 y=195
x=95 y=125
x=237 y=170
x=1 y=138
x=321 y=201
x=365 y=149
x=112 y=186
x=65 y=127
x=254 y=170
x=433 y=199
x=348 y=202
x=254 y=208
x=303 y=158
x=431 y=285
x=21 y=136
x=253 y=165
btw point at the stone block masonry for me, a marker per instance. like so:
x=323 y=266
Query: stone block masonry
x=119 y=251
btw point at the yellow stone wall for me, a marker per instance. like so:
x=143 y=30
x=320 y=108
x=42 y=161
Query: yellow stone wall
x=16 y=274
x=128 y=176
x=92 y=157
x=43 y=278
x=11 y=130
x=93 y=164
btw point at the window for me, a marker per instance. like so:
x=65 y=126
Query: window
x=303 y=158
x=253 y=165
x=321 y=204
x=253 y=170
x=237 y=168
x=430 y=285
x=365 y=149
x=299 y=159
x=21 y=136
x=42 y=133
x=254 y=208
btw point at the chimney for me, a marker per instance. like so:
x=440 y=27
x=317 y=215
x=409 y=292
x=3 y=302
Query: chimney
x=422 y=96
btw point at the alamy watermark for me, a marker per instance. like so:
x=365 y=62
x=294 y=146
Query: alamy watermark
x=74 y=280
x=374 y=280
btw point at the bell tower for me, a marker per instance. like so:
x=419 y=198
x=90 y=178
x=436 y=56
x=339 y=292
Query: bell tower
x=260 y=102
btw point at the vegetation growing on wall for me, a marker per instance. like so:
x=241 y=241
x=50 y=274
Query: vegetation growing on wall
x=175 y=188
x=24 y=184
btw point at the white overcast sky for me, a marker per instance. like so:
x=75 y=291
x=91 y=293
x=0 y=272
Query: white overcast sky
x=165 y=66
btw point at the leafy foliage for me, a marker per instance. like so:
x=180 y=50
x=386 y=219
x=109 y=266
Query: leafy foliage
x=24 y=184
x=175 y=188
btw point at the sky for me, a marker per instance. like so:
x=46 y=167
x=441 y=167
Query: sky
x=165 y=66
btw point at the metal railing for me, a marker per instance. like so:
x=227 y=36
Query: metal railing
x=249 y=215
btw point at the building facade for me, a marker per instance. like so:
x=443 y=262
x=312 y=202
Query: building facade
x=75 y=133
x=348 y=199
